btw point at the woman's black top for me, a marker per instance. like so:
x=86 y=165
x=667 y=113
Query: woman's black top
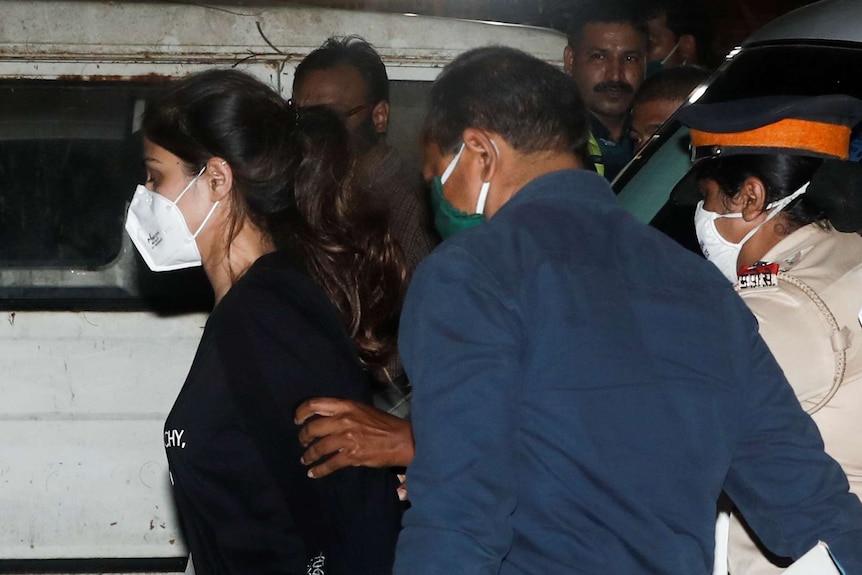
x=243 y=497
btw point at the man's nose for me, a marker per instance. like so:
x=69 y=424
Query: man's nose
x=614 y=69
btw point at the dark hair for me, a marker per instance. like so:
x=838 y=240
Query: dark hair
x=530 y=103
x=781 y=174
x=684 y=17
x=351 y=51
x=605 y=12
x=293 y=179
x=670 y=84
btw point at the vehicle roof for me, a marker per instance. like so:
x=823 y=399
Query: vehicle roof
x=830 y=20
x=80 y=29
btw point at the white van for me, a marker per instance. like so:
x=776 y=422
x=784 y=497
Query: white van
x=94 y=347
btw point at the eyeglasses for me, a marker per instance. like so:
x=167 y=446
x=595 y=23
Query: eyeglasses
x=355 y=110
x=343 y=114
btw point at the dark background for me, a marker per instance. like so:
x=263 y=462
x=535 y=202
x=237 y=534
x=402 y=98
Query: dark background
x=733 y=20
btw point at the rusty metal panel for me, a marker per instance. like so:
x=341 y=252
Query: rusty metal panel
x=149 y=32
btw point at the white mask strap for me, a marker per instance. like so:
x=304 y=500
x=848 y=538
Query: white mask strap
x=483 y=195
x=206 y=219
x=189 y=185
x=669 y=54
x=776 y=208
x=451 y=167
x=483 y=192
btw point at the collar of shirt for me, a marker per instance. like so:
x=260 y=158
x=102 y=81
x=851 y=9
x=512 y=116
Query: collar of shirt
x=603 y=134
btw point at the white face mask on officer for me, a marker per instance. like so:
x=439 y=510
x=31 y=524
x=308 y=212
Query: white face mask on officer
x=725 y=254
x=160 y=232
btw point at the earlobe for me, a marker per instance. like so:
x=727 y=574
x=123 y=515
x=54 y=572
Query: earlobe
x=380 y=117
x=220 y=178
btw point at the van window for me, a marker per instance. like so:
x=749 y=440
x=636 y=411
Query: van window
x=408 y=102
x=69 y=160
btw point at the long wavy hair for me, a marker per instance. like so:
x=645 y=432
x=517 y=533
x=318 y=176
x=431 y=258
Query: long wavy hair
x=294 y=179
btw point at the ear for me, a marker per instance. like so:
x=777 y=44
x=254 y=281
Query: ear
x=569 y=59
x=688 y=49
x=380 y=116
x=751 y=197
x=482 y=154
x=220 y=181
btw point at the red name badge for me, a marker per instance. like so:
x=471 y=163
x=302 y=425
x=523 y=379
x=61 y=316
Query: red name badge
x=758 y=275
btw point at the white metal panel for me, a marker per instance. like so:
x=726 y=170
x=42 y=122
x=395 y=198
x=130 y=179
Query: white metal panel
x=179 y=31
x=82 y=465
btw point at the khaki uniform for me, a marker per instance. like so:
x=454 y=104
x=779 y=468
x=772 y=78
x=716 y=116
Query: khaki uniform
x=802 y=341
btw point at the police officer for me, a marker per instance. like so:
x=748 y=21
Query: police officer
x=777 y=205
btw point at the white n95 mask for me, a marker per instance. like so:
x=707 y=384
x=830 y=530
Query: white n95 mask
x=725 y=254
x=159 y=231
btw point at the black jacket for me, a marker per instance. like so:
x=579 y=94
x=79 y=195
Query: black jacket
x=245 y=502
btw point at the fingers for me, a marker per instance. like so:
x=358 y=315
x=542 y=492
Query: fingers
x=320 y=406
x=334 y=463
x=322 y=427
x=329 y=445
x=402 y=487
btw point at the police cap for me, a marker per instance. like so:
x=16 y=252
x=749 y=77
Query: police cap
x=816 y=126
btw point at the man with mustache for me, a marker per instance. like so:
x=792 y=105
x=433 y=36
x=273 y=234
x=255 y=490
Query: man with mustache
x=606 y=57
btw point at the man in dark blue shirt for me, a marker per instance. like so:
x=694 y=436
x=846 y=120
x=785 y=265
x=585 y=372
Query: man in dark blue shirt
x=584 y=388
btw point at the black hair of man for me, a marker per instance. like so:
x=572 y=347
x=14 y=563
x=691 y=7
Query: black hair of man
x=671 y=84
x=531 y=104
x=352 y=51
x=606 y=12
x=684 y=17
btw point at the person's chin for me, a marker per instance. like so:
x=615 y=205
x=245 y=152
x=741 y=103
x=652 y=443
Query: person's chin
x=617 y=99
x=614 y=108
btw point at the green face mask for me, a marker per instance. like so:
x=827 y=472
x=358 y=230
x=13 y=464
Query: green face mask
x=448 y=219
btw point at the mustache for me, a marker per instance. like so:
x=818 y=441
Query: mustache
x=613 y=86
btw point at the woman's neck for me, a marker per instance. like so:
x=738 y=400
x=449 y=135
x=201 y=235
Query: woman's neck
x=766 y=238
x=226 y=263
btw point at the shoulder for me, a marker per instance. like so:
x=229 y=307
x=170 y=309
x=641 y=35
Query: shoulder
x=824 y=262
x=818 y=294
x=820 y=254
x=276 y=291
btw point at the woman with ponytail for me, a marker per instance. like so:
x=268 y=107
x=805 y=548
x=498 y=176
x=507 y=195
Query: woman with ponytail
x=307 y=295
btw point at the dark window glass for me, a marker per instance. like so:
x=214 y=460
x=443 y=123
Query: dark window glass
x=408 y=101
x=70 y=158
x=69 y=161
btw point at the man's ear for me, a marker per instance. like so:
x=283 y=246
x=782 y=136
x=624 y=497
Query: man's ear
x=752 y=198
x=688 y=49
x=220 y=178
x=480 y=153
x=380 y=117
x=569 y=59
